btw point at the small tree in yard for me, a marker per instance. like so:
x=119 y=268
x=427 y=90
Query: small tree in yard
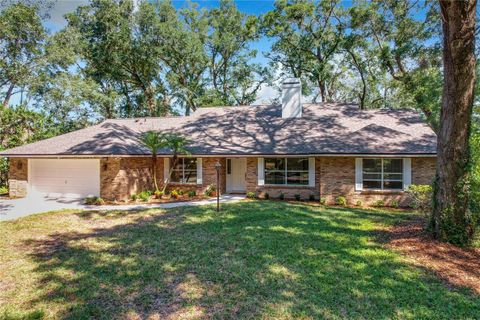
x=153 y=141
x=177 y=145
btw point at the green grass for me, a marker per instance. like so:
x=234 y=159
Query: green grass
x=268 y=260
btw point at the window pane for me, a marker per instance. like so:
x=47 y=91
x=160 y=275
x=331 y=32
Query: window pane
x=190 y=163
x=393 y=165
x=372 y=165
x=274 y=177
x=297 y=178
x=178 y=165
x=392 y=184
x=392 y=176
x=229 y=166
x=190 y=176
x=372 y=184
x=176 y=176
x=274 y=164
x=297 y=164
x=372 y=176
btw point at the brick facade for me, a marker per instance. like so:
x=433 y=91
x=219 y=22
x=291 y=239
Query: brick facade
x=18 y=177
x=334 y=176
x=121 y=177
x=337 y=176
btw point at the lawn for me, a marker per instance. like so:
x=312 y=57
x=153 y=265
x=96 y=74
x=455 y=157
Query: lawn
x=256 y=259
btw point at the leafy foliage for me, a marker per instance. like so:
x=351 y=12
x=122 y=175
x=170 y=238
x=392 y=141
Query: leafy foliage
x=341 y=201
x=420 y=196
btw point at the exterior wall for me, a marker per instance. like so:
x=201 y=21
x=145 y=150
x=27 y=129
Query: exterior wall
x=121 y=177
x=274 y=191
x=18 y=177
x=423 y=170
x=338 y=179
x=335 y=176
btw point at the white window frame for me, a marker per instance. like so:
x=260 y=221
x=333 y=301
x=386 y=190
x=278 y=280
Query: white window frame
x=285 y=171
x=182 y=180
x=404 y=180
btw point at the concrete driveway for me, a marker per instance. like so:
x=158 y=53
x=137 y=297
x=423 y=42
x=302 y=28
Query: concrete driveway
x=11 y=209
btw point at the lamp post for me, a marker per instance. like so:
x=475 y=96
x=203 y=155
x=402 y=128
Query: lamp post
x=217 y=168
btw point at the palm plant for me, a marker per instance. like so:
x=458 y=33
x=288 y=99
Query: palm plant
x=153 y=141
x=177 y=145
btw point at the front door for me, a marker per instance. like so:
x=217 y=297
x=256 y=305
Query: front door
x=236 y=171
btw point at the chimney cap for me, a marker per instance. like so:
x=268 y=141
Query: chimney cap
x=291 y=81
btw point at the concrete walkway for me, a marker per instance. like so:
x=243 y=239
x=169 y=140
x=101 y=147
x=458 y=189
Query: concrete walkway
x=17 y=208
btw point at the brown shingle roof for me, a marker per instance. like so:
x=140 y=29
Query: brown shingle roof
x=254 y=130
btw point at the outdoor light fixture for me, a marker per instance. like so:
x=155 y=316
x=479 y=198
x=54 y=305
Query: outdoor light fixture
x=217 y=168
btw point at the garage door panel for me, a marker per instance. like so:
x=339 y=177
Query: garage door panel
x=77 y=178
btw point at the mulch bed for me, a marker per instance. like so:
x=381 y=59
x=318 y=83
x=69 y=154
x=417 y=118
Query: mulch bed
x=456 y=266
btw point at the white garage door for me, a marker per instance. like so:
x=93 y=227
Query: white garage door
x=69 y=178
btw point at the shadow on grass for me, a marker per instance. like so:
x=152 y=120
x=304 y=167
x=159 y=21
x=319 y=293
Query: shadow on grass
x=253 y=260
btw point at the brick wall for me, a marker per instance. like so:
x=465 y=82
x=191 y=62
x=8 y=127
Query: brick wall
x=338 y=179
x=121 y=177
x=423 y=170
x=335 y=176
x=18 y=177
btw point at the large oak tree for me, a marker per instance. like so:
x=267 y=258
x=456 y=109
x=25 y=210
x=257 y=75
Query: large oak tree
x=451 y=219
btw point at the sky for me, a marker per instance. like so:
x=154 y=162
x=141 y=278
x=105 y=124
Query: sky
x=266 y=93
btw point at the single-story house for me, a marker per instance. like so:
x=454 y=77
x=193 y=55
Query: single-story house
x=325 y=150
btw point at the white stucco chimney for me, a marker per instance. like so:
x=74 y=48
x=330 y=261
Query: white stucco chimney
x=291 y=98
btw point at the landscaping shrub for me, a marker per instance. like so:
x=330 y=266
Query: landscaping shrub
x=341 y=201
x=192 y=193
x=378 y=203
x=158 y=194
x=311 y=197
x=181 y=192
x=144 y=195
x=174 y=194
x=323 y=201
x=297 y=197
x=99 y=201
x=395 y=203
x=3 y=190
x=266 y=196
x=210 y=190
x=251 y=195
x=94 y=201
x=358 y=203
x=134 y=197
x=281 y=196
x=420 y=196
x=89 y=201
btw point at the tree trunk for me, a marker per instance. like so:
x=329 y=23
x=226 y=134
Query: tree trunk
x=8 y=95
x=321 y=86
x=170 y=171
x=154 y=171
x=150 y=98
x=451 y=220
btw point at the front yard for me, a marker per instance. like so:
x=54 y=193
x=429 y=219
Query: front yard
x=256 y=259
